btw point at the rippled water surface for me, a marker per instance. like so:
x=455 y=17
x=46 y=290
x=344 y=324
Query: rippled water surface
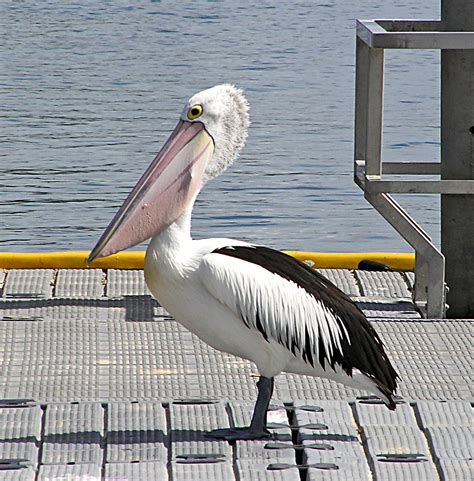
x=91 y=90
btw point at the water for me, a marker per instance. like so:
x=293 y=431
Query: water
x=90 y=91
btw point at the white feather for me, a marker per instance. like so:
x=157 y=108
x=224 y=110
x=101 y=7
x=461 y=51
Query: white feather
x=281 y=305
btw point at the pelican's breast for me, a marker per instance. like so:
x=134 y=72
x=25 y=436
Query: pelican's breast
x=176 y=284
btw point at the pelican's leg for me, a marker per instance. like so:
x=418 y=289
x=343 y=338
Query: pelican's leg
x=258 y=426
x=259 y=418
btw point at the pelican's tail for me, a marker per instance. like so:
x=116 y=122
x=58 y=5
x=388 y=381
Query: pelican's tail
x=367 y=382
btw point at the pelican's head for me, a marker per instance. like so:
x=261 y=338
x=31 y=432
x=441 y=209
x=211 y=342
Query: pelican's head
x=223 y=111
x=209 y=136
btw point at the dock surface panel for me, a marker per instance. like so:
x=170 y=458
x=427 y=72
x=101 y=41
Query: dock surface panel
x=98 y=382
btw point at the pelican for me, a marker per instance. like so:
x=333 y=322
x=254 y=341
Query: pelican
x=247 y=300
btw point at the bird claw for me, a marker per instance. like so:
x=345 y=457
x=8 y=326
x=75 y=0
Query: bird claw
x=238 y=434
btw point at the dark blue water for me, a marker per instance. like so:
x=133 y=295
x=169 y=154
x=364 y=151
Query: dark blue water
x=90 y=90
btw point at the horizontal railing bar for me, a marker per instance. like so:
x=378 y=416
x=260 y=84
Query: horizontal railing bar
x=376 y=186
x=413 y=168
x=410 y=25
x=375 y=36
x=402 y=168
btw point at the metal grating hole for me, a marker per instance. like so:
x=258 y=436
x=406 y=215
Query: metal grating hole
x=277 y=445
x=402 y=457
x=315 y=426
x=306 y=407
x=282 y=466
x=313 y=409
x=195 y=401
x=17 y=403
x=24 y=295
x=18 y=463
x=195 y=458
x=318 y=446
x=376 y=400
x=22 y=318
x=325 y=466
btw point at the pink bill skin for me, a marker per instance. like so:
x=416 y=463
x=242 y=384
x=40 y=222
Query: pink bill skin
x=169 y=184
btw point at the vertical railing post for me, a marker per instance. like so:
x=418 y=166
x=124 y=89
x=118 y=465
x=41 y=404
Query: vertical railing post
x=422 y=276
x=436 y=298
x=374 y=119
x=457 y=159
x=361 y=92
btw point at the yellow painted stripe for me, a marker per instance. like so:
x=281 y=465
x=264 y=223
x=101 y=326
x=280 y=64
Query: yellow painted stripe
x=329 y=260
x=135 y=260
x=69 y=260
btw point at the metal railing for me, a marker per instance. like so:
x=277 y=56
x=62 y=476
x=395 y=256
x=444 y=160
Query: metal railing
x=373 y=37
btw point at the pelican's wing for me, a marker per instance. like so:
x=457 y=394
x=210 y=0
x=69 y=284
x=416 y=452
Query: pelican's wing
x=287 y=301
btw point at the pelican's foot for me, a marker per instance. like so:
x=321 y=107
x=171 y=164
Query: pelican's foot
x=238 y=434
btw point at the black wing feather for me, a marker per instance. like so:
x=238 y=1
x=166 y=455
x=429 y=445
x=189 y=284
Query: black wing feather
x=364 y=350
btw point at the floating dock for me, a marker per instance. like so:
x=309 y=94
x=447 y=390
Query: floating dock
x=99 y=383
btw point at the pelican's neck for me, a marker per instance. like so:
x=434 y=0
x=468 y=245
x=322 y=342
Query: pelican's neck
x=179 y=231
x=166 y=254
x=175 y=237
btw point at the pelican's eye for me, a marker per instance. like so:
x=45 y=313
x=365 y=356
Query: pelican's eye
x=194 y=112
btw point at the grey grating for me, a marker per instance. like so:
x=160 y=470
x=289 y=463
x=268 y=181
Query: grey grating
x=255 y=470
x=202 y=471
x=399 y=452
x=383 y=284
x=277 y=450
x=451 y=442
x=126 y=283
x=310 y=387
x=327 y=436
x=378 y=415
x=429 y=357
x=454 y=413
x=329 y=433
x=343 y=470
x=342 y=278
x=143 y=471
x=136 y=432
x=79 y=283
x=28 y=283
x=20 y=432
x=78 y=472
x=420 y=470
x=280 y=449
x=330 y=440
x=17 y=449
x=189 y=424
x=455 y=470
x=232 y=387
x=20 y=423
x=132 y=309
x=72 y=434
x=99 y=360
x=396 y=439
x=21 y=474
x=322 y=411
x=125 y=363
